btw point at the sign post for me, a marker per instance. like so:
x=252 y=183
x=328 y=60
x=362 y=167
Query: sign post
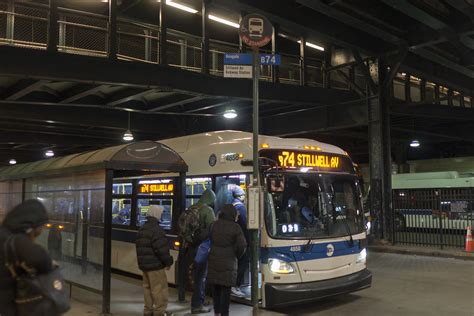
x=255 y=31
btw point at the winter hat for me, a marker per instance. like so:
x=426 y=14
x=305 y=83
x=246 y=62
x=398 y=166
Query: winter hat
x=25 y=216
x=228 y=212
x=156 y=211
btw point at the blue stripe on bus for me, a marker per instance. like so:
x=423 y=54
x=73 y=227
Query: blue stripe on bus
x=318 y=251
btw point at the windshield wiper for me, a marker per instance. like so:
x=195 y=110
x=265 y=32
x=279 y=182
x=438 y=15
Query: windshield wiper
x=344 y=220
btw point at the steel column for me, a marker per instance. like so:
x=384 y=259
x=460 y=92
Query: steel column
x=275 y=49
x=163 y=46
x=450 y=97
x=436 y=94
x=112 y=31
x=380 y=158
x=205 y=37
x=53 y=26
x=241 y=44
x=326 y=66
x=423 y=90
x=107 y=255
x=302 y=61
x=407 y=87
x=461 y=101
x=10 y=20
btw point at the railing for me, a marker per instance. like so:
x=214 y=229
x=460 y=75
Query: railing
x=433 y=217
x=25 y=24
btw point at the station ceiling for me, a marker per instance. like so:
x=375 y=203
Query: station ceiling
x=74 y=103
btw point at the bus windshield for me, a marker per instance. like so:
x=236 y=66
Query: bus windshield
x=312 y=205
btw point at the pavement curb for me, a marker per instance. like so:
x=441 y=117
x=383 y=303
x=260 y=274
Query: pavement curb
x=428 y=253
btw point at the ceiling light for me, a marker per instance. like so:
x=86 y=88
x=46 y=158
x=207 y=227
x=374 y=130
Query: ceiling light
x=415 y=143
x=313 y=46
x=224 y=21
x=230 y=114
x=12 y=162
x=127 y=136
x=49 y=153
x=180 y=6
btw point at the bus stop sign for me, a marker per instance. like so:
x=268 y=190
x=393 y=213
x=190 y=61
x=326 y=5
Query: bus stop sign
x=255 y=30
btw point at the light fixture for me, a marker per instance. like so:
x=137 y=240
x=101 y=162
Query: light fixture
x=49 y=153
x=224 y=21
x=414 y=143
x=181 y=6
x=230 y=114
x=12 y=162
x=128 y=136
x=313 y=46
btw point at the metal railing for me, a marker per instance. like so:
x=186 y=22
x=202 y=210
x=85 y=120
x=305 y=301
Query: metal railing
x=25 y=24
x=432 y=217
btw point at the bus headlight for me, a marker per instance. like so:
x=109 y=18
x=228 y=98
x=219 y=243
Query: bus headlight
x=362 y=256
x=279 y=266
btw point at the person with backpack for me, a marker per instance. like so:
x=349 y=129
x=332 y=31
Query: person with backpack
x=194 y=225
x=18 y=232
x=227 y=245
x=238 y=195
x=153 y=255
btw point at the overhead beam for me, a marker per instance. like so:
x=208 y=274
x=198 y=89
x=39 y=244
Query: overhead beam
x=128 y=98
x=23 y=88
x=80 y=92
x=21 y=62
x=178 y=103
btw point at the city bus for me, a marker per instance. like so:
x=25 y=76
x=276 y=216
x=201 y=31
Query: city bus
x=312 y=233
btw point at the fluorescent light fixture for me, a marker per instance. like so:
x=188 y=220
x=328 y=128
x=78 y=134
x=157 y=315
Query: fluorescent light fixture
x=12 y=162
x=127 y=136
x=313 y=46
x=415 y=143
x=49 y=153
x=230 y=114
x=224 y=21
x=181 y=6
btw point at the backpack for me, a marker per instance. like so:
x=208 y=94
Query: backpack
x=188 y=224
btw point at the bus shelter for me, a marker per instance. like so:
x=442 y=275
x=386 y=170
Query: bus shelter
x=78 y=191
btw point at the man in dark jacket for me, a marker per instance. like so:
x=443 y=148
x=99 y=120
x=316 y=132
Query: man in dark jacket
x=238 y=195
x=227 y=245
x=154 y=257
x=26 y=221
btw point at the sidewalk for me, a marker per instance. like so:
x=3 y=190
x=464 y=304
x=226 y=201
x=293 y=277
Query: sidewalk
x=423 y=251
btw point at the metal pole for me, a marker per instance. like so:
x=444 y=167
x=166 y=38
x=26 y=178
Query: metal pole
x=112 y=30
x=205 y=38
x=254 y=242
x=52 y=45
x=107 y=256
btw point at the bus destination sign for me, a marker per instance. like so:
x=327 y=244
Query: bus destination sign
x=291 y=159
x=155 y=188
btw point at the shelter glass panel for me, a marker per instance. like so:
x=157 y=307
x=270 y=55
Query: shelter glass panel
x=74 y=233
x=10 y=195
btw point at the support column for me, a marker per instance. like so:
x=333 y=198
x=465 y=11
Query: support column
x=52 y=45
x=407 y=88
x=423 y=90
x=205 y=37
x=326 y=66
x=112 y=53
x=275 y=49
x=380 y=158
x=436 y=94
x=163 y=46
x=461 y=101
x=241 y=44
x=302 y=61
x=450 y=97
x=10 y=20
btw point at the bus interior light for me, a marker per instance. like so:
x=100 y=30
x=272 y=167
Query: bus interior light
x=306 y=147
x=265 y=145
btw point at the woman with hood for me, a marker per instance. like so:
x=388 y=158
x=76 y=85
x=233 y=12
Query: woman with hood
x=26 y=222
x=227 y=246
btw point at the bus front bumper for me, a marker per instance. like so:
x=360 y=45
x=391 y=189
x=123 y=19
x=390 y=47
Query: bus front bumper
x=277 y=295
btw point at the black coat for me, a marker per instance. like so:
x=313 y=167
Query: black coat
x=27 y=251
x=227 y=245
x=153 y=252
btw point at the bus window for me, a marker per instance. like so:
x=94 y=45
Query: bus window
x=155 y=192
x=121 y=211
x=122 y=188
x=194 y=189
x=224 y=186
x=144 y=205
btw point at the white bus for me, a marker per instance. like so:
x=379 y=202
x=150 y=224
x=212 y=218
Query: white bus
x=312 y=233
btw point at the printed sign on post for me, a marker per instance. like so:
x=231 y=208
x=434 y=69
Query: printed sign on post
x=237 y=71
x=255 y=201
